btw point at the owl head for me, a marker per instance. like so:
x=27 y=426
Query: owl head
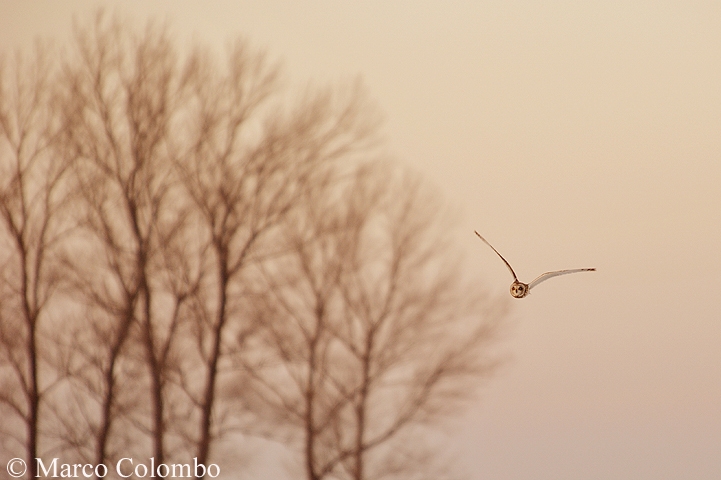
x=519 y=290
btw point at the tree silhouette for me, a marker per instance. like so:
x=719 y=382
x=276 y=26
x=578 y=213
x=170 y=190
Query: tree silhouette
x=366 y=328
x=124 y=97
x=33 y=193
x=184 y=253
x=245 y=171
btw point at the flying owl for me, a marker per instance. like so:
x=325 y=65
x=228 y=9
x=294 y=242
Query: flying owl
x=520 y=289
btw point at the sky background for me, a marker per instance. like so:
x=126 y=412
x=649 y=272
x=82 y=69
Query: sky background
x=570 y=134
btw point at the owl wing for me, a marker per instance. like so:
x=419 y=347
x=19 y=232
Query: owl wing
x=547 y=275
x=504 y=260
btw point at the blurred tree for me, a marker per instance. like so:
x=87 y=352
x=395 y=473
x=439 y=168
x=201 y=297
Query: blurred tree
x=245 y=168
x=216 y=261
x=182 y=172
x=123 y=100
x=367 y=329
x=32 y=194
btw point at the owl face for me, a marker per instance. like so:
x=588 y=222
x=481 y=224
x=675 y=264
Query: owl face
x=518 y=289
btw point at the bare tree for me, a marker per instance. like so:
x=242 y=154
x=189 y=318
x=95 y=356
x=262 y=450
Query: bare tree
x=215 y=261
x=245 y=169
x=32 y=194
x=183 y=173
x=367 y=326
x=124 y=93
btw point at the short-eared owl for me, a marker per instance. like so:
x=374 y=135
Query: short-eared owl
x=520 y=289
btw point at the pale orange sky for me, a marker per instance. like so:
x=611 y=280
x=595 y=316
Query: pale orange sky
x=570 y=134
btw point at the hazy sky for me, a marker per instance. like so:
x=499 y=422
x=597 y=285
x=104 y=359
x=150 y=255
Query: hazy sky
x=570 y=134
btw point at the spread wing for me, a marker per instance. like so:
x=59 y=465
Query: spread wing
x=504 y=260
x=548 y=275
